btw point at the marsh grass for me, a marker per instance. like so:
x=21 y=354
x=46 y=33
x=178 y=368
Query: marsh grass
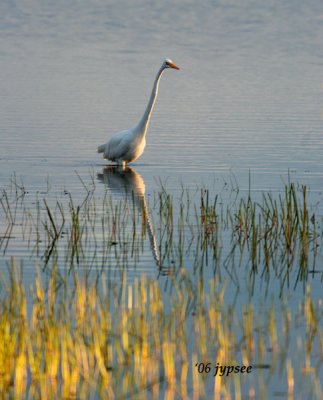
x=75 y=334
x=97 y=340
x=275 y=236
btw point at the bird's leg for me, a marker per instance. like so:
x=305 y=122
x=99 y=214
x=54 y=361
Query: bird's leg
x=122 y=163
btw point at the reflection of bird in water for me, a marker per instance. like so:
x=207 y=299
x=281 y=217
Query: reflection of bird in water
x=126 y=146
x=125 y=181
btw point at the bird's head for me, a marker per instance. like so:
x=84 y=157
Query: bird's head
x=169 y=64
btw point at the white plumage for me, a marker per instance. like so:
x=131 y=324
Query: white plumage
x=126 y=146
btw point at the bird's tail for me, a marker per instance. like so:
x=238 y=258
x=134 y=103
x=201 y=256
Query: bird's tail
x=101 y=148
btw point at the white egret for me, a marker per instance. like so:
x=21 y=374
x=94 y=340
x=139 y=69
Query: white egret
x=126 y=146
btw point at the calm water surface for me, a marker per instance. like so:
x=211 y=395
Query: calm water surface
x=246 y=105
x=247 y=102
x=248 y=96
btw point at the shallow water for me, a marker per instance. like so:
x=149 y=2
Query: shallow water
x=248 y=96
x=245 y=107
x=245 y=110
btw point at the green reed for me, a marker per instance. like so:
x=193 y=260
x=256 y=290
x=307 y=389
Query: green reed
x=77 y=338
x=273 y=235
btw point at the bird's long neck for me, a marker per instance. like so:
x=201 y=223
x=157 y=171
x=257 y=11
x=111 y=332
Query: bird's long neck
x=143 y=123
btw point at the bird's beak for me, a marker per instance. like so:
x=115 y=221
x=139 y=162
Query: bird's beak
x=172 y=65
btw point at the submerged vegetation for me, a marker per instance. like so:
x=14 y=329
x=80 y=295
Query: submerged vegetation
x=90 y=324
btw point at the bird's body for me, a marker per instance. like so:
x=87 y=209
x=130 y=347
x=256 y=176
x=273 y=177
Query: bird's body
x=124 y=147
x=128 y=145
